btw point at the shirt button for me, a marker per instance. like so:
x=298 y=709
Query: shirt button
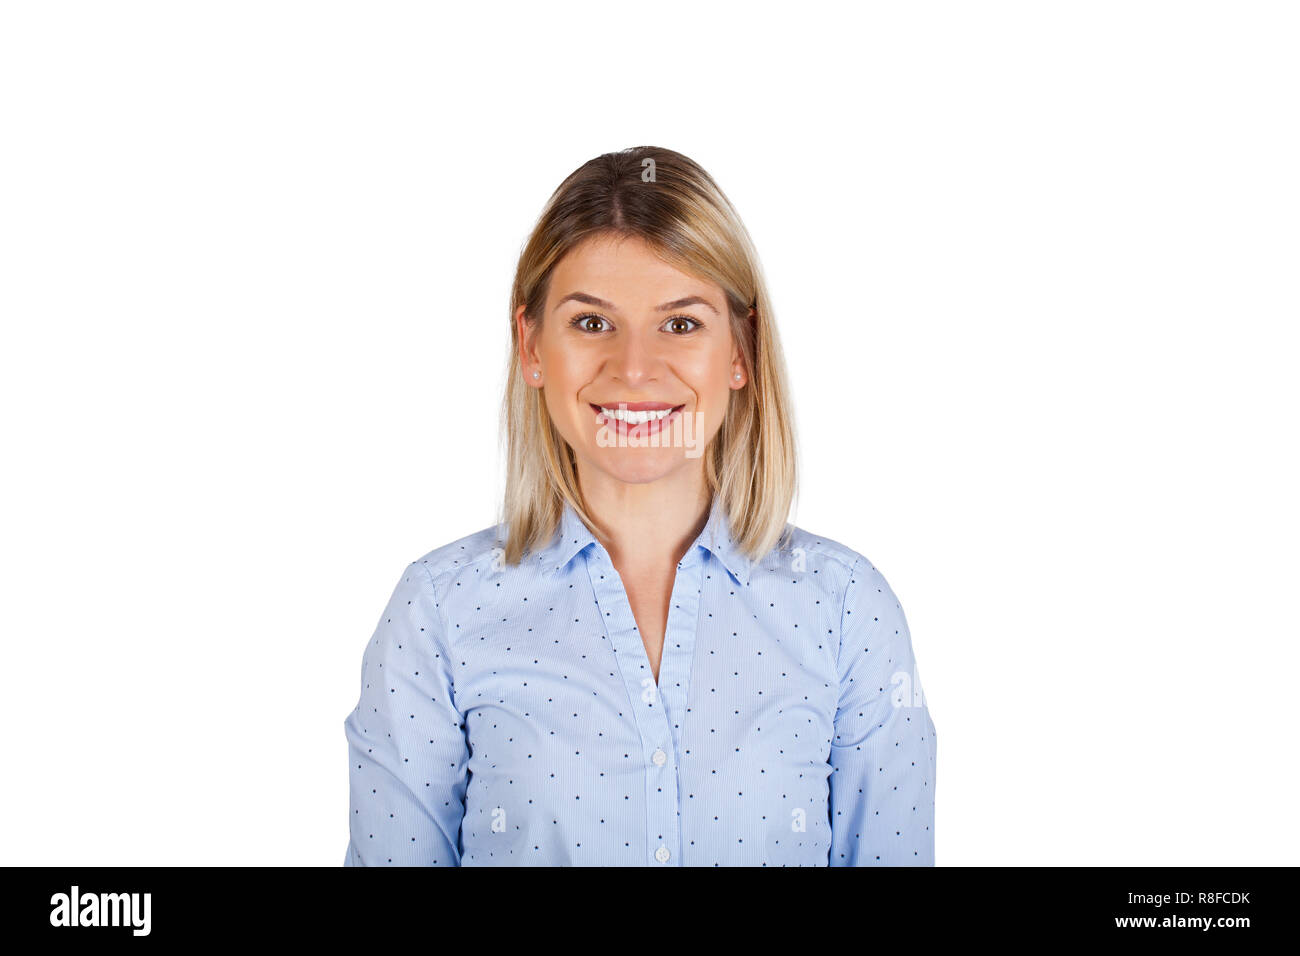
x=659 y=757
x=662 y=854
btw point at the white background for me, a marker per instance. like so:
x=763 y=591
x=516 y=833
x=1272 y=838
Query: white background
x=1035 y=271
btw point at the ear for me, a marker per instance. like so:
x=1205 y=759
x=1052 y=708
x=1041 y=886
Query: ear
x=738 y=360
x=738 y=368
x=526 y=336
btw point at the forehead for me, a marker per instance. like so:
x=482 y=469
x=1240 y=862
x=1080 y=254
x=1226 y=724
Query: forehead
x=625 y=270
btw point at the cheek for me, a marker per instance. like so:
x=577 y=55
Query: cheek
x=567 y=370
x=566 y=377
x=570 y=359
x=710 y=377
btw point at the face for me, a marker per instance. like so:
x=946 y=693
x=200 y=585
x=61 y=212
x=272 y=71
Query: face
x=621 y=326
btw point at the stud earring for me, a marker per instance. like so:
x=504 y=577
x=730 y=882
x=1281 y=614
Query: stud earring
x=737 y=375
x=537 y=375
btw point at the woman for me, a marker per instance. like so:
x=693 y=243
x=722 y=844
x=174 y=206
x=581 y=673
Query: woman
x=642 y=663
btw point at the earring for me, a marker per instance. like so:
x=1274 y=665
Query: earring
x=737 y=375
x=537 y=375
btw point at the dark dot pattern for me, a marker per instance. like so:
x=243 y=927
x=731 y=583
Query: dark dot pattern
x=509 y=716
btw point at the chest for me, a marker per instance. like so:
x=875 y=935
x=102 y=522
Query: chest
x=649 y=597
x=600 y=659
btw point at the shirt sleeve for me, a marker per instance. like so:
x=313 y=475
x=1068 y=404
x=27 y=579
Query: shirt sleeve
x=884 y=747
x=407 y=750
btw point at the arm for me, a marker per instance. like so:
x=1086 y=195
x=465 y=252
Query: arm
x=883 y=750
x=407 y=752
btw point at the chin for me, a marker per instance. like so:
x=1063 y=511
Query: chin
x=631 y=466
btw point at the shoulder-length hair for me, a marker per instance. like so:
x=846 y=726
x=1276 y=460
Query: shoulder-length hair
x=671 y=203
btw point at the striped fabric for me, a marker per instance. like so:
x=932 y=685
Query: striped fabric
x=508 y=716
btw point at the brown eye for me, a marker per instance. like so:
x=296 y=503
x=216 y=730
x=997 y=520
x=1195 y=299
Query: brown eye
x=675 y=324
x=584 y=322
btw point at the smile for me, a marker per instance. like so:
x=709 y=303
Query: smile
x=638 y=416
x=644 y=418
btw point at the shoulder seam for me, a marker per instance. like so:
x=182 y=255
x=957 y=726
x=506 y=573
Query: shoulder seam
x=826 y=547
x=443 y=645
x=844 y=603
x=842 y=560
x=443 y=621
x=447 y=565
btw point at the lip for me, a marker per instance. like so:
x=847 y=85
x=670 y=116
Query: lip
x=644 y=429
x=635 y=406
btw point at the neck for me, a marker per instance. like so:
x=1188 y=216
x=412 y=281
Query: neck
x=647 y=526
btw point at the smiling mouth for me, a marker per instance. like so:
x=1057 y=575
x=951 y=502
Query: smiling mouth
x=636 y=413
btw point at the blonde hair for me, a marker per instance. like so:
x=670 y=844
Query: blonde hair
x=677 y=208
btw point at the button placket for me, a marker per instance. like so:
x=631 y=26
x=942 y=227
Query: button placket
x=674 y=682
x=648 y=709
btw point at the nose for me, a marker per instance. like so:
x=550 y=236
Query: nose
x=635 y=360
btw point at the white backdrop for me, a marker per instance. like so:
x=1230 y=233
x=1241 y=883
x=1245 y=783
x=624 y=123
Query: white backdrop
x=1040 y=259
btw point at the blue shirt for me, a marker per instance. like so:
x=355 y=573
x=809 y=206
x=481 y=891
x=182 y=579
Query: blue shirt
x=508 y=715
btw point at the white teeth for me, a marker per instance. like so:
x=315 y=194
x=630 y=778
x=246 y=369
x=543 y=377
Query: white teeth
x=635 y=418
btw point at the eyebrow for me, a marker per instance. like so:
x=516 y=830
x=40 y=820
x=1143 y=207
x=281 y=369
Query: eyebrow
x=609 y=306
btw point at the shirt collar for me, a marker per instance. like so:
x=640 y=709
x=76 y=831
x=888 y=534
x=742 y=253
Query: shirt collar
x=573 y=536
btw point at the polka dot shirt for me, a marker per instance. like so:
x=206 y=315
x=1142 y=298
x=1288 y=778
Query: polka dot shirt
x=508 y=715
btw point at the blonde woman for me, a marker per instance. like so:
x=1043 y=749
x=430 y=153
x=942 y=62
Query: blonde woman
x=642 y=663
